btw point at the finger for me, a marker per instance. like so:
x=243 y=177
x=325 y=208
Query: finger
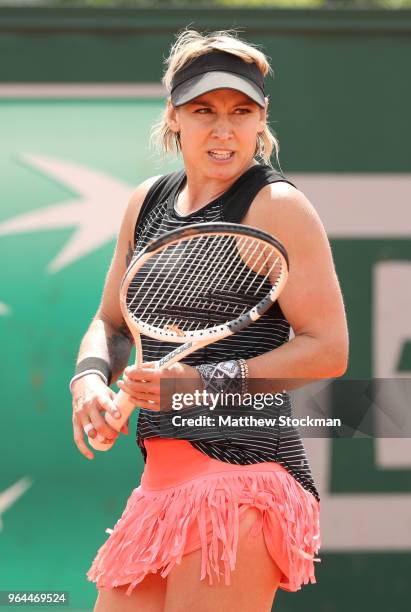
x=79 y=440
x=138 y=386
x=137 y=394
x=150 y=365
x=150 y=404
x=83 y=418
x=101 y=425
x=101 y=430
x=142 y=373
x=109 y=406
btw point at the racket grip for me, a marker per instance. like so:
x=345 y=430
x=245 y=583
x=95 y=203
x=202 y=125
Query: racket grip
x=125 y=406
x=97 y=445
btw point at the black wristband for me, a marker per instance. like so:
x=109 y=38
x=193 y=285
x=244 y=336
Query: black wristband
x=95 y=363
x=223 y=377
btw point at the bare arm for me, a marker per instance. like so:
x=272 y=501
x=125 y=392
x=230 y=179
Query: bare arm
x=311 y=301
x=107 y=338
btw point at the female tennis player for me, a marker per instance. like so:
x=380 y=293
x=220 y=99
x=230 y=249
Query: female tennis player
x=220 y=521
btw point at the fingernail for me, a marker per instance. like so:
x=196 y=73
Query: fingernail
x=117 y=415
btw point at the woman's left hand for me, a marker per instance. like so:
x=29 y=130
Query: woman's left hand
x=143 y=384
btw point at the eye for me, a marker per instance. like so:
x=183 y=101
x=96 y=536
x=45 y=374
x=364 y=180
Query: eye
x=242 y=111
x=203 y=111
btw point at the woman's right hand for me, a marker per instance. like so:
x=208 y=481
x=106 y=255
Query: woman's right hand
x=91 y=399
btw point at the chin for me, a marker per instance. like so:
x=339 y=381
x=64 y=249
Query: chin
x=225 y=171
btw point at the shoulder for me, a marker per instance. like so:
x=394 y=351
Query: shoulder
x=161 y=183
x=284 y=211
x=138 y=195
x=135 y=203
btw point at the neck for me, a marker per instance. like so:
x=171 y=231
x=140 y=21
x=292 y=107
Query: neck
x=200 y=189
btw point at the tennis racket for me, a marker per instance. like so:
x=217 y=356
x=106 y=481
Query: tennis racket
x=194 y=286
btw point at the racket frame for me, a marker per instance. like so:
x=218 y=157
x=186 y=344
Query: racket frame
x=190 y=341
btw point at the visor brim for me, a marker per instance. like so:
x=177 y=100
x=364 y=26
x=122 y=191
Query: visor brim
x=210 y=81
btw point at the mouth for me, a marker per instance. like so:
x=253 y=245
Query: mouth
x=221 y=154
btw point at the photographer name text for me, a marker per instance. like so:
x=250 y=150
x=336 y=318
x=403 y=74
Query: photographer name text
x=250 y=421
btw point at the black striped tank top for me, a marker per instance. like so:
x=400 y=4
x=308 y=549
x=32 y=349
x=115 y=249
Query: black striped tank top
x=239 y=445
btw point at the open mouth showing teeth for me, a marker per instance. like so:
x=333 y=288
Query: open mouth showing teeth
x=221 y=154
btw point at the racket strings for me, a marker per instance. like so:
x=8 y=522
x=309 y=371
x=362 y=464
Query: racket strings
x=201 y=265
x=203 y=281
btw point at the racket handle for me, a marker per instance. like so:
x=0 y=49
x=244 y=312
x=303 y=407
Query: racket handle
x=125 y=406
x=97 y=445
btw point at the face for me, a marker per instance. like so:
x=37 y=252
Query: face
x=218 y=132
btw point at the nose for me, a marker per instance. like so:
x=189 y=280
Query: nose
x=222 y=127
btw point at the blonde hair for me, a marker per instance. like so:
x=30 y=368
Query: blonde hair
x=191 y=44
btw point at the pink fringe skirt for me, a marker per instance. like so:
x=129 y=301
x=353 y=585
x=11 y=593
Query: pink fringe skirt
x=188 y=501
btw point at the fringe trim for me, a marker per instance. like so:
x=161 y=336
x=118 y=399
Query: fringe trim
x=151 y=534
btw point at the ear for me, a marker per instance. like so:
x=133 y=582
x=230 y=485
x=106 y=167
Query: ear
x=172 y=117
x=263 y=117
